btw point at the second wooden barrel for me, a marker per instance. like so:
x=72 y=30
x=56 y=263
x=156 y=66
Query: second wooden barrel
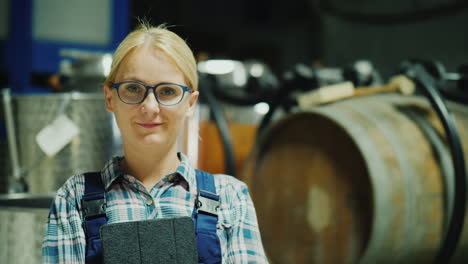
x=365 y=180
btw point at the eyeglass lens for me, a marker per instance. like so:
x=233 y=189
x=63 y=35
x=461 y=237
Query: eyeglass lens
x=166 y=94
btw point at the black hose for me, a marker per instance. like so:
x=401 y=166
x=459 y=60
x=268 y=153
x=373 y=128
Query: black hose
x=279 y=99
x=267 y=117
x=455 y=225
x=221 y=124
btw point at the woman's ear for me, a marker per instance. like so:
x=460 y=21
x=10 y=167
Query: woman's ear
x=108 y=98
x=192 y=103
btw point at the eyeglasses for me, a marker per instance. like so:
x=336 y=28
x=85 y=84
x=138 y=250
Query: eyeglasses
x=133 y=92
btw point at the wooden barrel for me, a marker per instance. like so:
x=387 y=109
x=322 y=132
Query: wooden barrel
x=364 y=180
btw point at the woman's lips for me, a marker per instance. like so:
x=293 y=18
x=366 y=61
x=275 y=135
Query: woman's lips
x=149 y=125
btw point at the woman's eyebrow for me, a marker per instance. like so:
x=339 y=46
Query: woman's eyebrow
x=132 y=78
x=135 y=78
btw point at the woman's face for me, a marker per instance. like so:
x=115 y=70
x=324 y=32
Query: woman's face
x=149 y=124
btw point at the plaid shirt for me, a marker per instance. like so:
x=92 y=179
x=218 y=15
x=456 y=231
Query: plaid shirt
x=128 y=200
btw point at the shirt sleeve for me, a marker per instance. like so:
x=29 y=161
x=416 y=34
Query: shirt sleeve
x=64 y=238
x=244 y=242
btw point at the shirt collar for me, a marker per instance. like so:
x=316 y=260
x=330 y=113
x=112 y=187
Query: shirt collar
x=186 y=171
x=112 y=171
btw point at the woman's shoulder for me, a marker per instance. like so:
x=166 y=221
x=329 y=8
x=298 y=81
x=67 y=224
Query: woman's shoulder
x=234 y=197
x=230 y=186
x=72 y=189
x=228 y=179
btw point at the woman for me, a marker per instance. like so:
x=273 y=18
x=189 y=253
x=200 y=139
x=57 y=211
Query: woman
x=151 y=89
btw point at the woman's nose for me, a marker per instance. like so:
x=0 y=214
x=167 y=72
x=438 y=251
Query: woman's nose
x=150 y=104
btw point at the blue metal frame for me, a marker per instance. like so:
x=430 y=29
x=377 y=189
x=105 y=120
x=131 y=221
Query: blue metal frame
x=120 y=21
x=23 y=55
x=18 y=47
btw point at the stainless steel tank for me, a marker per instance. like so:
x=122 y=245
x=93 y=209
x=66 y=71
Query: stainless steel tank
x=95 y=143
x=23 y=218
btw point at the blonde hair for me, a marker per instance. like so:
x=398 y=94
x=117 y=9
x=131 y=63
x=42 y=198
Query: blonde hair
x=163 y=39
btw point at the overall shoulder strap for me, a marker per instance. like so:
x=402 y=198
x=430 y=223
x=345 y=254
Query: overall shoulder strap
x=94 y=213
x=205 y=215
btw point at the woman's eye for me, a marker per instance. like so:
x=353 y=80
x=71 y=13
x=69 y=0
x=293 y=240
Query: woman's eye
x=133 y=88
x=167 y=91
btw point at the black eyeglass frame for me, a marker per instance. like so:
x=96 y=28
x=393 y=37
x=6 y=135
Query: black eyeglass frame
x=149 y=87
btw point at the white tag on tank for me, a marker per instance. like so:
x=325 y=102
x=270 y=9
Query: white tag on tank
x=56 y=135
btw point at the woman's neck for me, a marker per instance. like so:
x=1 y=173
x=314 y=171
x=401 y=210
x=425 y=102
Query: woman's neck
x=149 y=166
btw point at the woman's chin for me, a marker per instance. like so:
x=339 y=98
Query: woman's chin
x=153 y=140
